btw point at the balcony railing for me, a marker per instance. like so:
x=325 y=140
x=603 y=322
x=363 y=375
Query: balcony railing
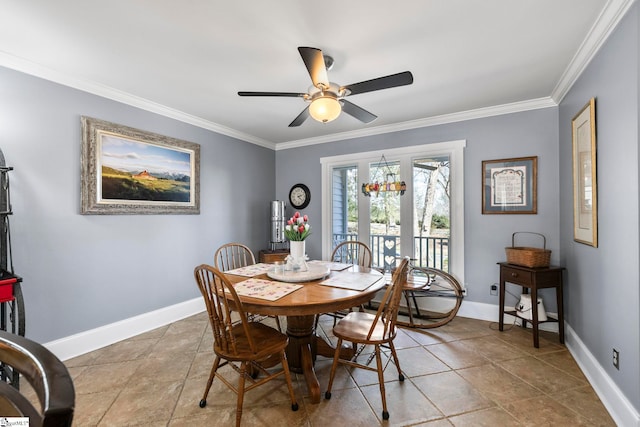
x=428 y=251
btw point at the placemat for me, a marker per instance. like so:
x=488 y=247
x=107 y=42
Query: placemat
x=251 y=270
x=264 y=289
x=351 y=280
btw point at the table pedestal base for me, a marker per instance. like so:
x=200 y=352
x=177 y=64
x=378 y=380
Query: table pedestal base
x=303 y=347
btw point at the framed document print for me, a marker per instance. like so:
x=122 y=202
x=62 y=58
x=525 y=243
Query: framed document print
x=585 y=195
x=509 y=186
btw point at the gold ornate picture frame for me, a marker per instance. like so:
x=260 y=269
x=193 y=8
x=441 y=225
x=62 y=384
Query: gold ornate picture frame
x=585 y=194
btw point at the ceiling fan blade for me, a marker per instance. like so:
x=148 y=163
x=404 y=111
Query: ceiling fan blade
x=314 y=60
x=393 y=80
x=300 y=119
x=357 y=112
x=290 y=94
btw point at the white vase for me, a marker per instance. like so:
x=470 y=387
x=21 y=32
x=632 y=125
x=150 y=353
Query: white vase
x=296 y=261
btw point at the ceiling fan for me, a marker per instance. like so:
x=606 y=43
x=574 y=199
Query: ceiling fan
x=327 y=99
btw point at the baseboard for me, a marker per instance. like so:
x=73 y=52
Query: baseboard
x=87 y=341
x=619 y=407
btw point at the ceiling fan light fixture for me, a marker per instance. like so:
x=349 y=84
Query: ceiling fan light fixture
x=325 y=108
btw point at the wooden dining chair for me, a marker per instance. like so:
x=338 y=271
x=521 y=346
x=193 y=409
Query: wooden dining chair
x=373 y=329
x=349 y=252
x=235 y=255
x=48 y=377
x=243 y=342
x=352 y=252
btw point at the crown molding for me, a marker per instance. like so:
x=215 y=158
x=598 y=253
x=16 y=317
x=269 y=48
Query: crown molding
x=515 y=107
x=31 y=68
x=609 y=18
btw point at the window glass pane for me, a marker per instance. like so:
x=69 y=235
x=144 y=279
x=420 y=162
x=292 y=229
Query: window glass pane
x=431 y=213
x=384 y=213
x=344 y=204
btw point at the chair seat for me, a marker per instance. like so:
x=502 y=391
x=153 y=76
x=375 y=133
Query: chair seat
x=268 y=340
x=355 y=328
x=416 y=283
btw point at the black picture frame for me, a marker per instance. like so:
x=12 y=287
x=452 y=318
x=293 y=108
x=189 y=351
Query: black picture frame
x=509 y=186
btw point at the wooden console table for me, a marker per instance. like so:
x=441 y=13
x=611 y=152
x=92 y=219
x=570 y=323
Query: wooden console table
x=270 y=257
x=532 y=279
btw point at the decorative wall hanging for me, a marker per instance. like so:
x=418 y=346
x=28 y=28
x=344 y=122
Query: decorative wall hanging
x=129 y=171
x=391 y=183
x=509 y=186
x=585 y=195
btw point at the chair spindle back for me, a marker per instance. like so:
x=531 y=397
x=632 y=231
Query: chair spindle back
x=233 y=255
x=352 y=252
x=390 y=303
x=216 y=291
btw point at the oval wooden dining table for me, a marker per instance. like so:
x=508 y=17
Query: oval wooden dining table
x=300 y=307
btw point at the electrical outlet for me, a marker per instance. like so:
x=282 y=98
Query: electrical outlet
x=616 y=359
x=494 y=289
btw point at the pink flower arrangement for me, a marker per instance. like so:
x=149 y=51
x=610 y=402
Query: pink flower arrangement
x=297 y=228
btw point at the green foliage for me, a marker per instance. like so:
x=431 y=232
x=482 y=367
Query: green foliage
x=440 y=221
x=117 y=185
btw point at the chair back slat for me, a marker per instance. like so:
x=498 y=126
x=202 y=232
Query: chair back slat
x=390 y=303
x=233 y=255
x=352 y=252
x=217 y=291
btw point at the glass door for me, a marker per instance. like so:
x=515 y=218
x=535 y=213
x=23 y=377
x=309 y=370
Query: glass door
x=424 y=222
x=431 y=212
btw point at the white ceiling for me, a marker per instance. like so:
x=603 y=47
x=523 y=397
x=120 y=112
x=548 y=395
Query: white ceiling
x=188 y=59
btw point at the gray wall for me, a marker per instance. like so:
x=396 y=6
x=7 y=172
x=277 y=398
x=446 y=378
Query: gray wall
x=531 y=133
x=602 y=283
x=602 y=294
x=81 y=272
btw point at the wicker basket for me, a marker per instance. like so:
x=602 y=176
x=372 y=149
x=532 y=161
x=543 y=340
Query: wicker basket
x=528 y=257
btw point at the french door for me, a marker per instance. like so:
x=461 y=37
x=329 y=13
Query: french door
x=363 y=200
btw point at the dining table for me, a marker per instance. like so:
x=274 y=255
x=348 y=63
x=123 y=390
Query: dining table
x=336 y=290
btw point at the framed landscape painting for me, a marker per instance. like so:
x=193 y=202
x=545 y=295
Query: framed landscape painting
x=130 y=171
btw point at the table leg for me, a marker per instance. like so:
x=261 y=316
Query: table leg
x=301 y=351
x=325 y=349
x=534 y=316
x=560 y=302
x=501 y=308
x=310 y=374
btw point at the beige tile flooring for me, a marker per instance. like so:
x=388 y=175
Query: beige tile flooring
x=465 y=373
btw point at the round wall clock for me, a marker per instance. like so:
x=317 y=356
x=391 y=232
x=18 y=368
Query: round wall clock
x=299 y=196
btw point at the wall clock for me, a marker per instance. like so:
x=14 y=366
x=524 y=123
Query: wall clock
x=299 y=196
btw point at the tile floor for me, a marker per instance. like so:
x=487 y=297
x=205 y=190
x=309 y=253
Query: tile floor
x=465 y=373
